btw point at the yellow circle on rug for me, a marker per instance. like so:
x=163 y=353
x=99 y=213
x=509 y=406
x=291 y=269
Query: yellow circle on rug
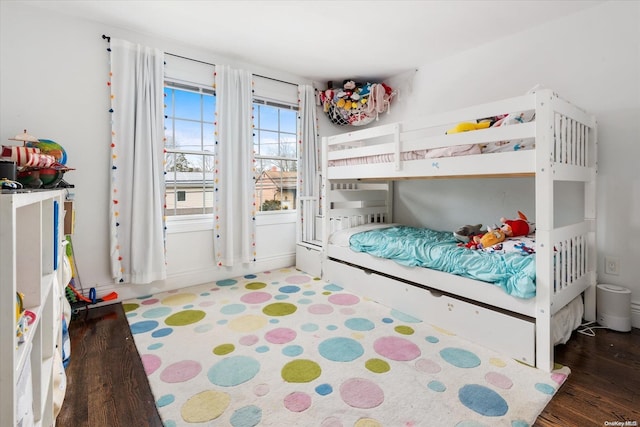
x=205 y=406
x=367 y=422
x=248 y=323
x=179 y=299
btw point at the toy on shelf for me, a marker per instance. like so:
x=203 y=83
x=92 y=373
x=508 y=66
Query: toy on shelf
x=40 y=163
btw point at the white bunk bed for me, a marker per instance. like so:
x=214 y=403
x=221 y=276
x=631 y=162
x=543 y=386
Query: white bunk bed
x=359 y=191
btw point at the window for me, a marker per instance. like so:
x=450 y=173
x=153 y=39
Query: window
x=276 y=153
x=189 y=145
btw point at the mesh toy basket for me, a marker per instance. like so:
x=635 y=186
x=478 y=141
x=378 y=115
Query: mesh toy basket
x=355 y=104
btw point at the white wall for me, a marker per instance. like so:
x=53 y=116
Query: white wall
x=53 y=82
x=593 y=60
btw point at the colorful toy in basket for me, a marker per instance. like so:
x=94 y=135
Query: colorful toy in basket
x=517 y=227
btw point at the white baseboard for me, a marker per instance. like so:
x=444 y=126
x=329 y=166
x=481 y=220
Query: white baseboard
x=191 y=278
x=635 y=314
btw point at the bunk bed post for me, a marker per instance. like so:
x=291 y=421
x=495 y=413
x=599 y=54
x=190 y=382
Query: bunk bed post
x=590 y=191
x=544 y=200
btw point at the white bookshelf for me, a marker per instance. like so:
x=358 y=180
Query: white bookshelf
x=31 y=251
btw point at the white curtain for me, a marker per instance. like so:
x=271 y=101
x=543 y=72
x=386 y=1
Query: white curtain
x=309 y=163
x=234 y=185
x=137 y=181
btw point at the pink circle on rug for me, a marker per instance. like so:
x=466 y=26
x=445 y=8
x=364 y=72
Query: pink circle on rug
x=558 y=377
x=207 y=303
x=428 y=366
x=331 y=422
x=344 y=299
x=150 y=301
x=347 y=311
x=361 y=393
x=297 y=279
x=498 y=380
x=151 y=362
x=180 y=372
x=255 y=297
x=249 y=340
x=280 y=335
x=261 y=390
x=320 y=309
x=297 y=401
x=396 y=348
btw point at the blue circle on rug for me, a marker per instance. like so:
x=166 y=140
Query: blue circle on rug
x=436 y=386
x=324 y=389
x=154 y=313
x=308 y=293
x=233 y=309
x=403 y=317
x=432 y=339
x=460 y=358
x=262 y=349
x=483 y=400
x=169 y=423
x=340 y=349
x=226 y=282
x=332 y=288
x=292 y=350
x=247 y=416
x=309 y=327
x=165 y=400
x=545 y=388
x=331 y=327
x=281 y=296
x=144 y=326
x=250 y=276
x=162 y=332
x=291 y=289
x=305 y=301
x=519 y=423
x=203 y=328
x=387 y=320
x=155 y=346
x=233 y=370
x=359 y=324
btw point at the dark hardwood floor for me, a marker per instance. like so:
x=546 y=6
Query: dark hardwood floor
x=107 y=385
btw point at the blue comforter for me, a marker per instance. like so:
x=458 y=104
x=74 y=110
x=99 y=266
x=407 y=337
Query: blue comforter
x=439 y=250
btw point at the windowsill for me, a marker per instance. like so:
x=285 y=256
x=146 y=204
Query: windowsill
x=194 y=223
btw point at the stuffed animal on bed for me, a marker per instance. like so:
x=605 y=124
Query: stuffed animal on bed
x=466 y=232
x=517 y=227
x=468 y=126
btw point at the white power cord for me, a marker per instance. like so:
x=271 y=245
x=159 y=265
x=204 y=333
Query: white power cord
x=589 y=330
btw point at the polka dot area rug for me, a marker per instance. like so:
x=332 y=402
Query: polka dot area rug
x=282 y=348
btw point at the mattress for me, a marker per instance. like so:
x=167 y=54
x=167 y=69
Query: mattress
x=514 y=272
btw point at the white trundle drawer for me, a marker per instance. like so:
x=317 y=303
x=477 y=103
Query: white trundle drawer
x=508 y=335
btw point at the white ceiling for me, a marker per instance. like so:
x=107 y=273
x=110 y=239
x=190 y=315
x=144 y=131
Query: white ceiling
x=326 y=40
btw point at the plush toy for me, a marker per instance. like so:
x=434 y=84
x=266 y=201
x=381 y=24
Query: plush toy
x=493 y=236
x=466 y=232
x=468 y=126
x=517 y=227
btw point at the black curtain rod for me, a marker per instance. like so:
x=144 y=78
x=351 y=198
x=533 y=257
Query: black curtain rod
x=108 y=39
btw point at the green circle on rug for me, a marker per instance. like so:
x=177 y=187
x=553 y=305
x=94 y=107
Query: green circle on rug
x=377 y=366
x=186 y=317
x=223 y=349
x=255 y=285
x=279 y=309
x=404 y=330
x=129 y=307
x=301 y=371
x=205 y=406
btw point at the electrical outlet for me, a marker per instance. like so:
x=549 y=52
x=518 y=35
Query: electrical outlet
x=612 y=265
